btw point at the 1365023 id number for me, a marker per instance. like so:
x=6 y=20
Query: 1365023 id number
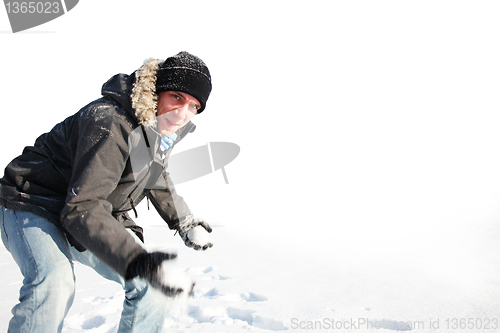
x=472 y=323
x=32 y=7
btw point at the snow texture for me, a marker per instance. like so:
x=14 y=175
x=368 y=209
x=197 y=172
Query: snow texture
x=389 y=281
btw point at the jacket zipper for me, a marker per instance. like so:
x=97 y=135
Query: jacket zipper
x=186 y=131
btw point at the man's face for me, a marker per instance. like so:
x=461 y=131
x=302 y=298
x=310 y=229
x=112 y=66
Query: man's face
x=174 y=110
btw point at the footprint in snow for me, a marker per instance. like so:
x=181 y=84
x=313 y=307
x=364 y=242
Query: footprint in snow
x=215 y=306
x=233 y=315
x=251 y=297
x=211 y=293
x=203 y=273
x=94 y=322
x=209 y=269
x=254 y=320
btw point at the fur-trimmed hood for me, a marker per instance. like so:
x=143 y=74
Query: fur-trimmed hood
x=136 y=92
x=144 y=97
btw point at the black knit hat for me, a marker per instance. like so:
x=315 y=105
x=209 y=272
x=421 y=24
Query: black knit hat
x=186 y=73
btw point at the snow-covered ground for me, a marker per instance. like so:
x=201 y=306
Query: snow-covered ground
x=408 y=267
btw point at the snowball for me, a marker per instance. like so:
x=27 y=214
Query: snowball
x=199 y=235
x=175 y=277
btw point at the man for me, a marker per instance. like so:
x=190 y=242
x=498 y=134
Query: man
x=66 y=198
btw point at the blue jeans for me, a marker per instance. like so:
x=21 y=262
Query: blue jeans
x=45 y=259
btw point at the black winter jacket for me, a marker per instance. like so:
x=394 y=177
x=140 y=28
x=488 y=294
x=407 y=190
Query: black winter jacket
x=80 y=175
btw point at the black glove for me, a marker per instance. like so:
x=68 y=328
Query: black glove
x=196 y=238
x=148 y=267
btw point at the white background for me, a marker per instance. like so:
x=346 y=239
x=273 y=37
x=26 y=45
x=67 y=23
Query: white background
x=374 y=100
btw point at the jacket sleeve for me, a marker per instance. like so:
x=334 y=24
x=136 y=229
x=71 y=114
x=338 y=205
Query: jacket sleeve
x=171 y=206
x=100 y=152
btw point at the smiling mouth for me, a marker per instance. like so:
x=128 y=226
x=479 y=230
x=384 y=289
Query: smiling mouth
x=171 y=123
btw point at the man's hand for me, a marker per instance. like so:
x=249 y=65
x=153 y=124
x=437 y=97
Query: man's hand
x=149 y=267
x=195 y=233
